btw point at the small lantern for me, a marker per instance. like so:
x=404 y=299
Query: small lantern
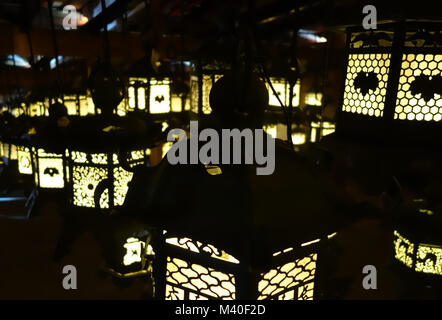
x=128 y=253
x=200 y=86
x=197 y=271
x=50 y=169
x=313 y=97
x=24 y=160
x=89 y=170
x=282 y=89
x=392 y=82
x=80 y=105
x=151 y=94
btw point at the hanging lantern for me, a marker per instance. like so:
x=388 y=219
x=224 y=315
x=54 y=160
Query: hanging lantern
x=24 y=157
x=200 y=86
x=321 y=129
x=10 y=151
x=392 y=82
x=313 y=97
x=197 y=271
x=50 y=169
x=38 y=108
x=127 y=251
x=79 y=105
x=152 y=95
x=282 y=89
x=91 y=170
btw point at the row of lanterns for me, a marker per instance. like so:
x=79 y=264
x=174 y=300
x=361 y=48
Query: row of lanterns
x=80 y=170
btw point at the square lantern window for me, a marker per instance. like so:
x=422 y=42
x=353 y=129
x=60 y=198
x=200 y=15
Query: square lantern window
x=200 y=86
x=24 y=156
x=197 y=271
x=38 y=109
x=50 y=169
x=282 y=89
x=10 y=151
x=128 y=254
x=91 y=170
x=392 y=83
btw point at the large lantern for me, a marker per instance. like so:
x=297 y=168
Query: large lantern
x=392 y=85
x=198 y=271
x=89 y=170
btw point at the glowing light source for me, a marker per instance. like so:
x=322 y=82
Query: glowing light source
x=88 y=170
x=208 y=80
x=187 y=279
x=282 y=89
x=426 y=258
x=49 y=169
x=154 y=93
x=24 y=160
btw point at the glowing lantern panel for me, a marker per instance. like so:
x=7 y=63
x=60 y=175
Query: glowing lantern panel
x=187 y=280
x=426 y=258
x=24 y=160
x=282 y=89
x=89 y=169
x=50 y=170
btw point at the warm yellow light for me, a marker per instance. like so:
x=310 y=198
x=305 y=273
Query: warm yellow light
x=270 y=130
x=298 y=138
x=429 y=259
x=159 y=96
x=293 y=280
x=24 y=160
x=89 y=170
x=50 y=169
x=415 y=107
x=403 y=249
x=201 y=282
x=166 y=148
x=313 y=99
x=134 y=249
x=371 y=103
x=282 y=88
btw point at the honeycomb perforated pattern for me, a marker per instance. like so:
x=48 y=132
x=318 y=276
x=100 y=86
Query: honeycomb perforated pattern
x=187 y=280
x=367 y=98
x=419 y=92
